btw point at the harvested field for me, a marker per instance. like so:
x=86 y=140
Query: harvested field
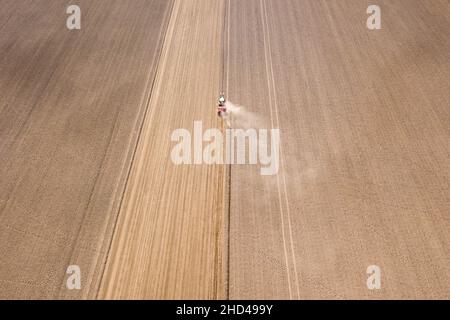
x=88 y=178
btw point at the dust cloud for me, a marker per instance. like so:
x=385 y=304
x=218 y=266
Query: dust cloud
x=239 y=117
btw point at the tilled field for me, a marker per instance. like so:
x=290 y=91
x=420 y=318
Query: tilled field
x=87 y=176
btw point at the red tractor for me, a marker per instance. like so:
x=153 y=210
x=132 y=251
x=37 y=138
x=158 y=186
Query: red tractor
x=221 y=108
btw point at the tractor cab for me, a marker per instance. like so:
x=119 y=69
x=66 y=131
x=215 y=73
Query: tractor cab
x=222 y=100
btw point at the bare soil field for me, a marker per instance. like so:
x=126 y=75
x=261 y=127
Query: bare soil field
x=71 y=106
x=87 y=179
x=168 y=242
